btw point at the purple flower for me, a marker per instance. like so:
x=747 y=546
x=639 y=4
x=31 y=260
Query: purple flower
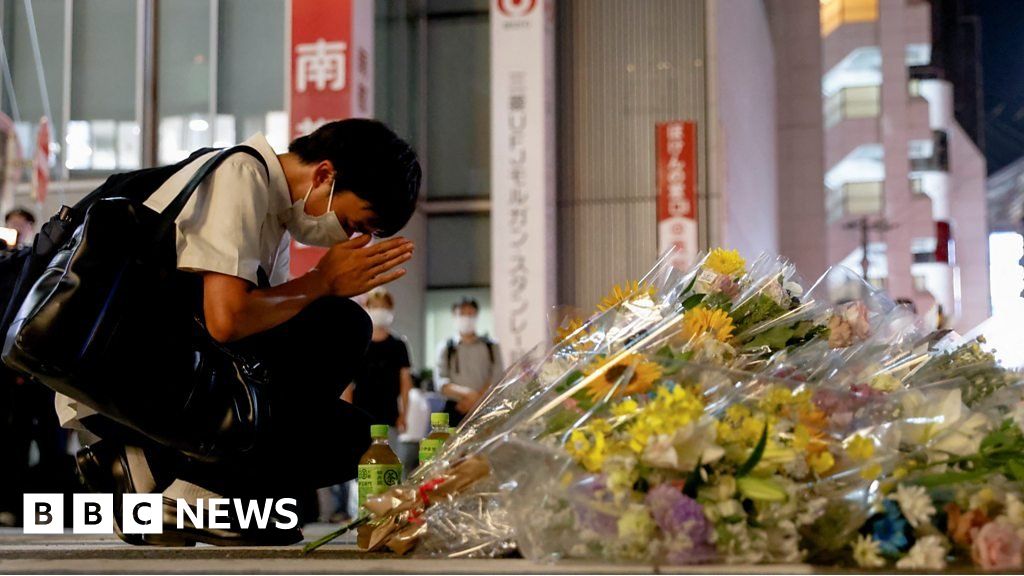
x=585 y=494
x=678 y=514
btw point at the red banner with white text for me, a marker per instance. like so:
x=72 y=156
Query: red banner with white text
x=676 y=157
x=330 y=72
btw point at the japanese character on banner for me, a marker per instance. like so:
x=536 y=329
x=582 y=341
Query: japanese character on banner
x=307 y=125
x=321 y=64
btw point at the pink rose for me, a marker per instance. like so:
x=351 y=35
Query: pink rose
x=996 y=547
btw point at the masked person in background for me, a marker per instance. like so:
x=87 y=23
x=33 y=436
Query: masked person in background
x=382 y=384
x=336 y=187
x=467 y=365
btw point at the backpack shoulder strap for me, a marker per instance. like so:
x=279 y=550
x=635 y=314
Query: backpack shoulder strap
x=171 y=212
x=452 y=351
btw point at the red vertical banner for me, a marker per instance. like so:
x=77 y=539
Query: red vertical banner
x=330 y=76
x=676 y=170
x=41 y=162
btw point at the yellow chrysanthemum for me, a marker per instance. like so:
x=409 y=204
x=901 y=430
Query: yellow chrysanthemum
x=700 y=320
x=670 y=410
x=644 y=375
x=589 y=445
x=625 y=293
x=871 y=472
x=860 y=448
x=727 y=262
x=821 y=463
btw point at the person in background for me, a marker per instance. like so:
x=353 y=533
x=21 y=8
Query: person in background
x=467 y=365
x=24 y=222
x=381 y=385
x=27 y=416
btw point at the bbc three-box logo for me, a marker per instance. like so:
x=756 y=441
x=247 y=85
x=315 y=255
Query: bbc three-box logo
x=144 y=513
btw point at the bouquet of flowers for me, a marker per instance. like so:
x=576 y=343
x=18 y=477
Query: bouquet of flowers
x=726 y=414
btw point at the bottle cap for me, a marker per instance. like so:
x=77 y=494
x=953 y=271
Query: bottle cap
x=379 y=431
x=439 y=419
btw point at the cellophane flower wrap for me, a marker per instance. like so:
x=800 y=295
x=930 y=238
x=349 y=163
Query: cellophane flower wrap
x=728 y=414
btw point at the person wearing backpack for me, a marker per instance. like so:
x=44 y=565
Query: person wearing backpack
x=337 y=187
x=468 y=364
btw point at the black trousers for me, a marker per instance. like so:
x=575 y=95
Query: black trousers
x=314 y=438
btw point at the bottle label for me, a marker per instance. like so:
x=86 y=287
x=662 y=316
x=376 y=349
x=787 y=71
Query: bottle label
x=429 y=448
x=376 y=478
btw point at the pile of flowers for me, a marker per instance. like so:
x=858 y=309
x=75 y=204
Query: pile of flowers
x=726 y=414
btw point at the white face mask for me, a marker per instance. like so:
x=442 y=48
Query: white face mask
x=324 y=230
x=381 y=317
x=465 y=324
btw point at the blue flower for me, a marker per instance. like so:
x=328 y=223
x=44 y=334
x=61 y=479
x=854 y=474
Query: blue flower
x=889 y=529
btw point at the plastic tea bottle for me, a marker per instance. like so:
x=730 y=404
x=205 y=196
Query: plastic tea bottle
x=439 y=432
x=379 y=468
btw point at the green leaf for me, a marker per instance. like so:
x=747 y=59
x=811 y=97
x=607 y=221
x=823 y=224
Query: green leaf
x=690 y=286
x=569 y=381
x=755 y=456
x=774 y=338
x=761 y=489
x=1015 y=469
x=692 y=301
x=693 y=481
x=945 y=478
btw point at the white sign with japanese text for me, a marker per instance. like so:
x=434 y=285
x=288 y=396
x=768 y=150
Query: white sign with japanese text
x=522 y=172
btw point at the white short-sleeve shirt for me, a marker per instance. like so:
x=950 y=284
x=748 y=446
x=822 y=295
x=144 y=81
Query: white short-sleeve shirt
x=231 y=225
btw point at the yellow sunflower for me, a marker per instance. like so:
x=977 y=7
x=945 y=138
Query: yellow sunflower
x=567 y=329
x=700 y=320
x=625 y=293
x=727 y=262
x=644 y=375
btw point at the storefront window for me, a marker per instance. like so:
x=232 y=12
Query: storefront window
x=183 y=83
x=103 y=132
x=459 y=250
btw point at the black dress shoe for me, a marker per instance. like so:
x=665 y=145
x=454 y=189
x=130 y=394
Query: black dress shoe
x=103 y=468
x=189 y=534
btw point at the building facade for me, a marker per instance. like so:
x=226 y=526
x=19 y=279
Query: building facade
x=811 y=116
x=903 y=178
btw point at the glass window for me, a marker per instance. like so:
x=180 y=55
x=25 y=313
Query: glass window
x=250 y=72
x=835 y=13
x=183 y=85
x=458 y=105
x=49 y=26
x=459 y=251
x=854 y=102
x=103 y=132
x=863 y=198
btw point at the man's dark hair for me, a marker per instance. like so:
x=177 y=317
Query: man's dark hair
x=372 y=162
x=467 y=301
x=21 y=212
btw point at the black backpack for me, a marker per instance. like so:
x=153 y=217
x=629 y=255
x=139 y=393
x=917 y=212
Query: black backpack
x=453 y=353
x=20 y=269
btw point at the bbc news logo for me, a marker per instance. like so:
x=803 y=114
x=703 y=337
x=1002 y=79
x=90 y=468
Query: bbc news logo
x=144 y=513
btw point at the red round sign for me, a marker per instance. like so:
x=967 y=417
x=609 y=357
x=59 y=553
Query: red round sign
x=516 y=8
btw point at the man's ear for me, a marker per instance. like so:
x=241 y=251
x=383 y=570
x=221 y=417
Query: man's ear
x=323 y=172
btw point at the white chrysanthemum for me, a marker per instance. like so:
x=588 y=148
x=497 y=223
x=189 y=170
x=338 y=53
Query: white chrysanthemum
x=1014 y=510
x=915 y=504
x=928 y=553
x=867 y=553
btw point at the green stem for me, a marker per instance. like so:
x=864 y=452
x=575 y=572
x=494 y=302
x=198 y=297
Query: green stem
x=324 y=540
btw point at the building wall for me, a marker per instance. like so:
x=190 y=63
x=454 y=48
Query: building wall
x=622 y=67
x=800 y=134
x=743 y=186
x=970 y=228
